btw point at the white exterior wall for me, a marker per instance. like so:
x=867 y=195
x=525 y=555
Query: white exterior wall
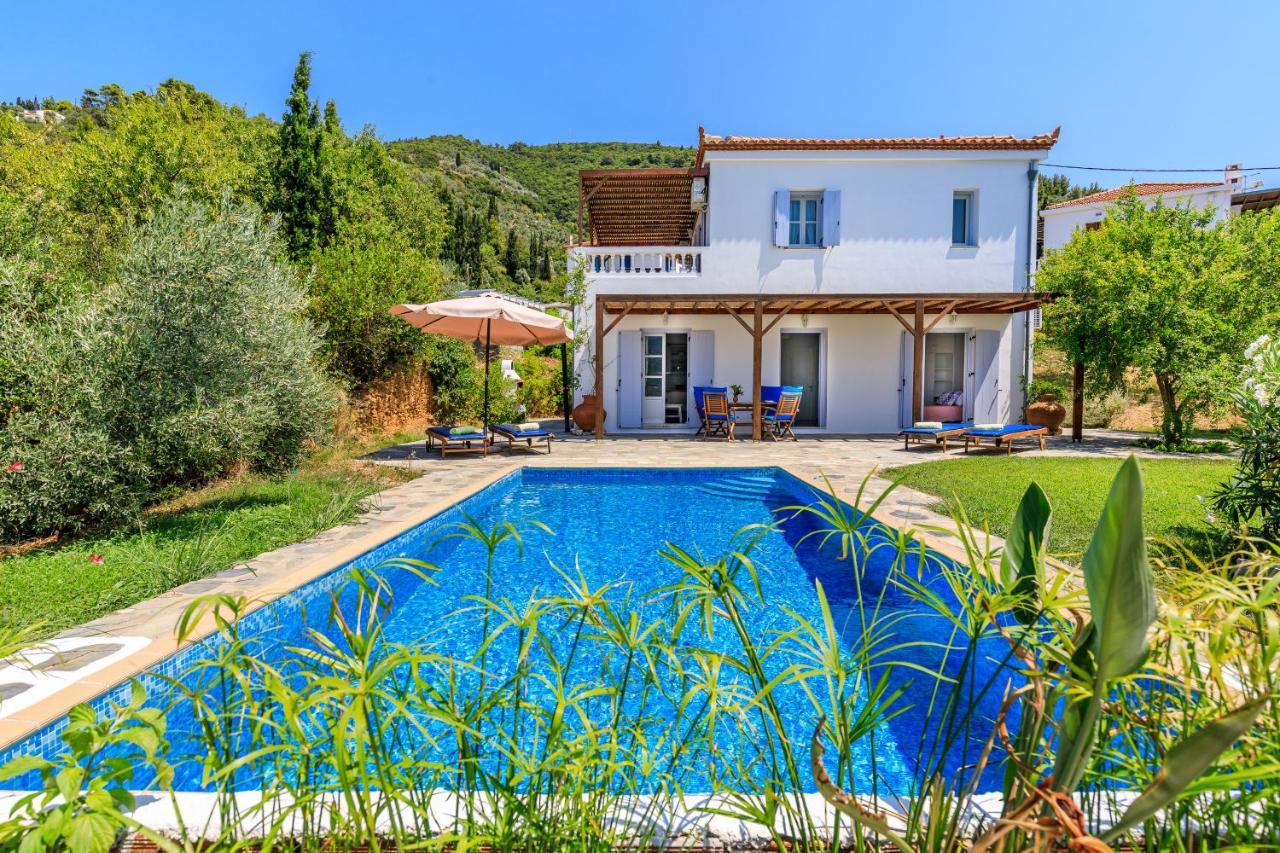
x=895 y=233
x=895 y=237
x=862 y=360
x=1060 y=223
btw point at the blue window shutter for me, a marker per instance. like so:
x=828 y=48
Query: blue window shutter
x=831 y=217
x=781 y=217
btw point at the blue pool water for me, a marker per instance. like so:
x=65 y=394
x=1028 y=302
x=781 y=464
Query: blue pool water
x=609 y=525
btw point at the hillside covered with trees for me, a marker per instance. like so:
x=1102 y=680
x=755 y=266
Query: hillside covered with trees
x=188 y=290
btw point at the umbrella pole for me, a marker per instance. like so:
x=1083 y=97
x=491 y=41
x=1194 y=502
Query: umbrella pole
x=488 y=334
x=564 y=385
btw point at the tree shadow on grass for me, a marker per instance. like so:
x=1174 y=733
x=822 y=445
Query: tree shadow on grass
x=1199 y=541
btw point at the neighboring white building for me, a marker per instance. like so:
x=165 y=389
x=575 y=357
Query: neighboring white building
x=1063 y=219
x=851 y=261
x=41 y=116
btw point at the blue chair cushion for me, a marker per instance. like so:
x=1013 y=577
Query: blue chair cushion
x=770 y=393
x=700 y=390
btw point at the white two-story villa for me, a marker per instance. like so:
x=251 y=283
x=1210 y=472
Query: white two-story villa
x=882 y=275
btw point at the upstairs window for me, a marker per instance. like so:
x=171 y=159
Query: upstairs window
x=803 y=226
x=806 y=219
x=962 y=219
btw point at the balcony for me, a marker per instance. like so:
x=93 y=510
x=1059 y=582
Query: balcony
x=640 y=260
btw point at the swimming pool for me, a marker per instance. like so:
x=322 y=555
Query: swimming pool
x=603 y=529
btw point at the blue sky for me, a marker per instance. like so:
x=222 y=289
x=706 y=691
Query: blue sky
x=1133 y=83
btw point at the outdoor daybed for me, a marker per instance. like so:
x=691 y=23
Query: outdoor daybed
x=452 y=440
x=515 y=433
x=1005 y=433
x=938 y=434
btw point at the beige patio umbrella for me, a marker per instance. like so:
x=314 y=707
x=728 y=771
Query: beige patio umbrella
x=488 y=318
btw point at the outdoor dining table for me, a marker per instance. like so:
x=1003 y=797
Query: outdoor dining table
x=747 y=406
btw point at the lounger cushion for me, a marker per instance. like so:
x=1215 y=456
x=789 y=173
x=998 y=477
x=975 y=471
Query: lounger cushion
x=1007 y=429
x=946 y=427
x=516 y=431
x=448 y=432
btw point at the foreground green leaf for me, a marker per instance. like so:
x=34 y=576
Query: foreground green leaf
x=1184 y=763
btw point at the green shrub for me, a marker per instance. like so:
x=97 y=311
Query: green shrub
x=1047 y=386
x=354 y=282
x=454 y=376
x=196 y=361
x=219 y=368
x=1250 y=500
x=540 y=374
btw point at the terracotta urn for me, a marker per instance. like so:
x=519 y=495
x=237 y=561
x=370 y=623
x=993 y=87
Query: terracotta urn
x=1046 y=411
x=586 y=412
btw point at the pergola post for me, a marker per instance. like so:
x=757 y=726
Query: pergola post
x=917 y=361
x=1077 y=402
x=566 y=397
x=757 y=347
x=598 y=332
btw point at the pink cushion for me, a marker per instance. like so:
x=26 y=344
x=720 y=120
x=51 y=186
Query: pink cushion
x=946 y=414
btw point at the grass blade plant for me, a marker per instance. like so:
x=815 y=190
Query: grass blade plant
x=595 y=714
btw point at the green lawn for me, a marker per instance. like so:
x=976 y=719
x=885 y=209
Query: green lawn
x=200 y=534
x=989 y=489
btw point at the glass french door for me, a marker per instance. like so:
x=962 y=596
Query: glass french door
x=653 y=404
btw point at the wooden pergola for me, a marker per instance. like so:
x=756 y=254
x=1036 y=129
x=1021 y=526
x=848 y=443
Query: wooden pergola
x=637 y=207
x=751 y=310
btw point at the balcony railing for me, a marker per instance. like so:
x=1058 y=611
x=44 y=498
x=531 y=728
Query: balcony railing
x=641 y=260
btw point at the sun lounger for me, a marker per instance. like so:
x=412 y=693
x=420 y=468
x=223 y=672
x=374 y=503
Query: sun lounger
x=938 y=435
x=450 y=442
x=514 y=435
x=1005 y=434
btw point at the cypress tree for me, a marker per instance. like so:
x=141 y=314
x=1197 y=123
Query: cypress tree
x=512 y=258
x=331 y=123
x=457 y=159
x=303 y=182
x=493 y=207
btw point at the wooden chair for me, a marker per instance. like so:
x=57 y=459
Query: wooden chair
x=782 y=418
x=716 y=416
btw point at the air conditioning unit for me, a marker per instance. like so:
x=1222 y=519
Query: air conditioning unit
x=698 y=194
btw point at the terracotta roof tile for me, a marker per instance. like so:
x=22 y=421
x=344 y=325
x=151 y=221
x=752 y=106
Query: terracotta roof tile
x=1157 y=188
x=711 y=142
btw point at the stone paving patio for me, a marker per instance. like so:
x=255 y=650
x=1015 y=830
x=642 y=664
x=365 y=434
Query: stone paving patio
x=136 y=637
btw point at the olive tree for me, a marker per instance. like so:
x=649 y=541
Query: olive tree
x=197 y=361
x=1168 y=291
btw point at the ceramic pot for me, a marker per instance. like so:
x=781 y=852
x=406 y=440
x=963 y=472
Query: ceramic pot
x=586 y=412
x=1046 y=411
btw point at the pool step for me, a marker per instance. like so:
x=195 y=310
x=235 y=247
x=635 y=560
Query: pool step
x=740 y=487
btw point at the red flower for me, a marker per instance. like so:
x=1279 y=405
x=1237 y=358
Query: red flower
x=96 y=559
x=14 y=467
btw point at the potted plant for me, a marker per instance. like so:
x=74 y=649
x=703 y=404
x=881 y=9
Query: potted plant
x=737 y=392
